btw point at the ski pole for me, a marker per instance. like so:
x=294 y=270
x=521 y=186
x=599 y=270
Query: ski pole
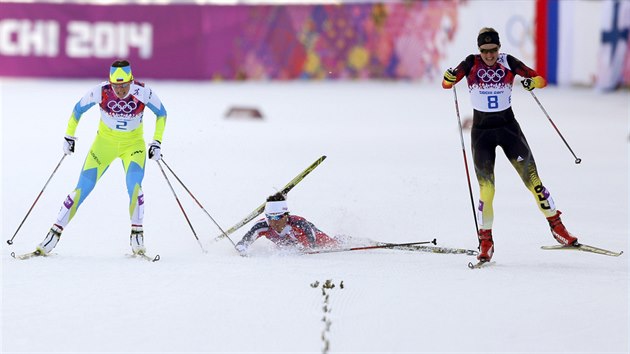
x=180 y=206
x=10 y=242
x=577 y=159
x=388 y=245
x=196 y=201
x=461 y=137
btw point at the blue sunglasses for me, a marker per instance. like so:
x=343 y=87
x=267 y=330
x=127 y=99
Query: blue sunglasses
x=275 y=217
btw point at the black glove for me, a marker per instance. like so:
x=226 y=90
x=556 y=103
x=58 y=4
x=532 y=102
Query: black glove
x=155 y=150
x=449 y=76
x=528 y=84
x=68 y=144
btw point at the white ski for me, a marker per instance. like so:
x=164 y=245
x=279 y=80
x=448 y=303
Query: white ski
x=583 y=248
x=27 y=255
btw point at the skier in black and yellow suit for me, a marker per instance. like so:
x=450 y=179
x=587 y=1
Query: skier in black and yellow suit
x=490 y=76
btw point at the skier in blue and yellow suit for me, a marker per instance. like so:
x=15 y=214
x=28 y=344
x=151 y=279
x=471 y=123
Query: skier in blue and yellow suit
x=120 y=135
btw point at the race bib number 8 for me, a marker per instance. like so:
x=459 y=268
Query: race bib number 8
x=493 y=102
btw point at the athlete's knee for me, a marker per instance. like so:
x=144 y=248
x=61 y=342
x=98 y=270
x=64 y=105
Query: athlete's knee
x=87 y=180
x=135 y=175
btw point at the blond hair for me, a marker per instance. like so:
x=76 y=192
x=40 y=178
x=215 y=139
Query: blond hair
x=487 y=29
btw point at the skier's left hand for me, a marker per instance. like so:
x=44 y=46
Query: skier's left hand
x=531 y=83
x=155 y=150
x=69 y=142
x=528 y=84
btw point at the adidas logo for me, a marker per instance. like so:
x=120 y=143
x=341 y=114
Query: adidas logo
x=519 y=159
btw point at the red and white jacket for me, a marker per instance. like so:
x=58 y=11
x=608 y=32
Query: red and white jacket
x=298 y=233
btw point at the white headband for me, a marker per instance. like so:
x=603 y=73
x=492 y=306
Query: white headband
x=276 y=208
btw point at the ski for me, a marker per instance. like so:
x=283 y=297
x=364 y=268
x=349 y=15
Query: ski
x=433 y=249
x=480 y=264
x=145 y=257
x=261 y=208
x=583 y=248
x=27 y=255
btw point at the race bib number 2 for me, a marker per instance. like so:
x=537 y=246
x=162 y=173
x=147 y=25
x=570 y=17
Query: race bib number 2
x=121 y=125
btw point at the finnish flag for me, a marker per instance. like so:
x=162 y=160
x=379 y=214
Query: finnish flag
x=614 y=58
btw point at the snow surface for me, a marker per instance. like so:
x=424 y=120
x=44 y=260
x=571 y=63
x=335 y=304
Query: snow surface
x=394 y=173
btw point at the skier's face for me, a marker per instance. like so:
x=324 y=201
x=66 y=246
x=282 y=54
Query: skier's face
x=489 y=53
x=121 y=90
x=278 y=224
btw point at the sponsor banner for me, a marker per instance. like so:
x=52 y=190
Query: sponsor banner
x=403 y=40
x=74 y=41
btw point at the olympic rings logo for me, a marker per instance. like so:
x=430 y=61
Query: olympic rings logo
x=491 y=75
x=122 y=106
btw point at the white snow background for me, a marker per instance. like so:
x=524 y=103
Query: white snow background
x=394 y=173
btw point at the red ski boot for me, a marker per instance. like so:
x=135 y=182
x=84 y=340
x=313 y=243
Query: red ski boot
x=560 y=232
x=486 y=246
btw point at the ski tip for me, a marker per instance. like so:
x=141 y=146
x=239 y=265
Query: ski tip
x=480 y=264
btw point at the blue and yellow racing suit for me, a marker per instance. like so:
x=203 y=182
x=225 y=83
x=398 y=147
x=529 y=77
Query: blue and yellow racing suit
x=120 y=135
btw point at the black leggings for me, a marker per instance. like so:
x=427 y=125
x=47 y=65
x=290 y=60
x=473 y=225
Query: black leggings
x=511 y=139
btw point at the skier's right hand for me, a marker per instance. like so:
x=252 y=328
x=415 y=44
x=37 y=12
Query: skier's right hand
x=68 y=144
x=449 y=79
x=242 y=250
